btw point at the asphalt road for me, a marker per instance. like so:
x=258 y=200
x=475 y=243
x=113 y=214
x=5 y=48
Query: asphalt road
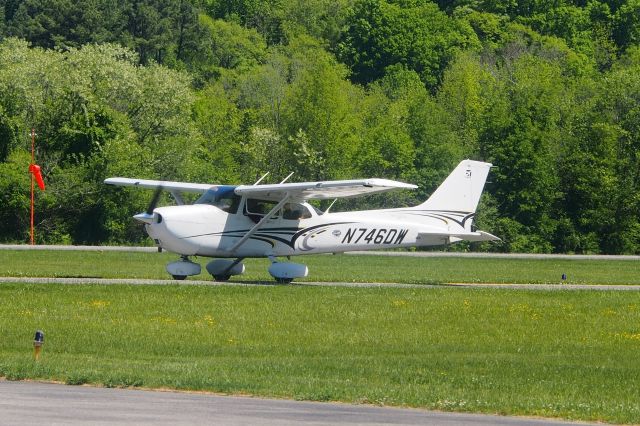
x=32 y=403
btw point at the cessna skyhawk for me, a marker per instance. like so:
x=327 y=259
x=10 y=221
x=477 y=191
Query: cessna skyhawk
x=232 y=223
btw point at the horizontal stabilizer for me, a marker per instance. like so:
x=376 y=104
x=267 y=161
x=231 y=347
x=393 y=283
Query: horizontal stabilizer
x=459 y=236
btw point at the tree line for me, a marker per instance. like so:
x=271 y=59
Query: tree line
x=223 y=91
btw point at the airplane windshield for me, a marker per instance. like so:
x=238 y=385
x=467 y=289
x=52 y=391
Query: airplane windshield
x=221 y=197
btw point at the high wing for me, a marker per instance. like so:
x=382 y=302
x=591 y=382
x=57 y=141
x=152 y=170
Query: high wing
x=164 y=184
x=320 y=190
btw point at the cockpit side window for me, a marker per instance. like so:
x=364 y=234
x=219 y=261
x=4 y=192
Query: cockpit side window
x=295 y=211
x=222 y=197
x=229 y=203
x=259 y=207
x=256 y=209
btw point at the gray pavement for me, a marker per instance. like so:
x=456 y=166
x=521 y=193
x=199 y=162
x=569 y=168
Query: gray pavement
x=497 y=255
x=139 y=281
x=76 y=248
x=33 y=403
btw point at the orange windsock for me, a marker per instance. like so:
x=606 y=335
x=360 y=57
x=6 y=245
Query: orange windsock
x=34 y=169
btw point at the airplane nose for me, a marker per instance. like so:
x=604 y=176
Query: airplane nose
x=149 y=218
x=178 y=228
x=144 y=218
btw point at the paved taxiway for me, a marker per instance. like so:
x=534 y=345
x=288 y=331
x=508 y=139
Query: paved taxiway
x=139 y=281
x=33 y=403
x=377 y=253
x=353 y=253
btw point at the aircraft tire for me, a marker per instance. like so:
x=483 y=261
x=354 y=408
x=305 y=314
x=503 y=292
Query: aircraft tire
x=179 y=277
x=221 y=278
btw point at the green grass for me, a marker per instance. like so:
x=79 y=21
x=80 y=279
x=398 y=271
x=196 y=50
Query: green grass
x=546 y=353
x=361 y=268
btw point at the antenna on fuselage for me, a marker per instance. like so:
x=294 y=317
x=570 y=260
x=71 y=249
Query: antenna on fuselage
x=330 y=205
x=260 y=180
x=287 y=178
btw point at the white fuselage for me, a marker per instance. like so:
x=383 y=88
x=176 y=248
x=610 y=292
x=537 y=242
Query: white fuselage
x=206 y=230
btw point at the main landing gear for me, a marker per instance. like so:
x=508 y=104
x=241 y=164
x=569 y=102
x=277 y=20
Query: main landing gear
x=282 y=272
x=223 y=269
x=285 y=272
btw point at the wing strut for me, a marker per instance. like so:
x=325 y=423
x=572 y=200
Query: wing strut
x=176 y=196
x=259 y=224
x=233 y=264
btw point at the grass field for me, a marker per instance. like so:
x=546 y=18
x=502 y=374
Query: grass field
x=570 y=354
x=341 y=268
x=565 y=354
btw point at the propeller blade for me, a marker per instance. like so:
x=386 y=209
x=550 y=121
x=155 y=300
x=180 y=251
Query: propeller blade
x=154 y=200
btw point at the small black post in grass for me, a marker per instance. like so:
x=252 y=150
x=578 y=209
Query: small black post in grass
x=38 y=340
x=564 y=278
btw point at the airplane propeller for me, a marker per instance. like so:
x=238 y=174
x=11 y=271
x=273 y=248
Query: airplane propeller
x=147 y=216
x=154 y=200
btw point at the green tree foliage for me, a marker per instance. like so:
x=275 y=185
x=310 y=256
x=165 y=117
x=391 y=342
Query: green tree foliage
x=300 y=99
x=321 y=103
x=163 y=31
x=223 y=91
x=97 y=115
x=627 y=24
x=14 y=196
x=265 y=16
x=414 y=34
x=228 y=47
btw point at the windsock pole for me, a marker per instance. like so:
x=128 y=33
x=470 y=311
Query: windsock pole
x=33 y=143
x=36 y=176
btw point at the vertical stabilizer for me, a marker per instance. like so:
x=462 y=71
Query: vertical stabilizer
x=461 y=191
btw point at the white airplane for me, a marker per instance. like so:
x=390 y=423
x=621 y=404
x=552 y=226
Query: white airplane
x=232 y=223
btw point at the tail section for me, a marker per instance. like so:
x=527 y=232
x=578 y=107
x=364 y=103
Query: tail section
x=461 y=190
